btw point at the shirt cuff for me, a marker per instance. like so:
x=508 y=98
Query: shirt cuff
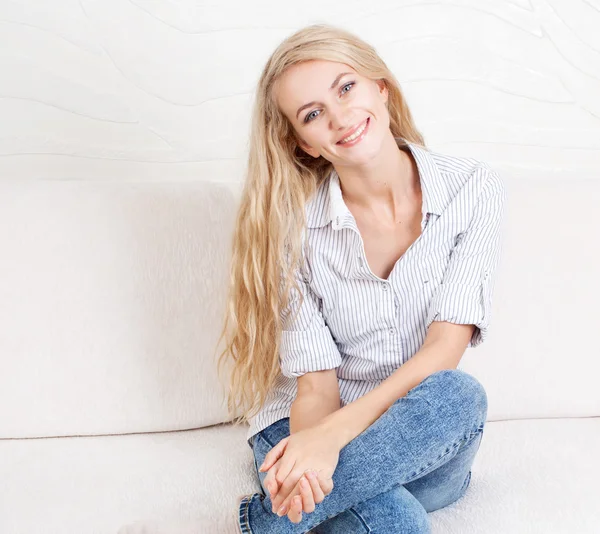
x=306 y=351
x=462 y=304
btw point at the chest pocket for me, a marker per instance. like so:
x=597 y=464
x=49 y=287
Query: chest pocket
x=428 y=275
x=435 y=268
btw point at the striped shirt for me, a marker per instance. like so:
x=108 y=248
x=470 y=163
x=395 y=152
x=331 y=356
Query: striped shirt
x=365 y=326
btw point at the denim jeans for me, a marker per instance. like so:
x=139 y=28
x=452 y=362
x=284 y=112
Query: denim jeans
x=414 y=459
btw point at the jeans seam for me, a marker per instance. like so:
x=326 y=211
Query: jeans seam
x=456 y=445
x=466 y=483
x=360 y=518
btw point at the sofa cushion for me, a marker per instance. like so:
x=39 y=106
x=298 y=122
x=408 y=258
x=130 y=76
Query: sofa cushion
x=528 y=476
x=112 y=301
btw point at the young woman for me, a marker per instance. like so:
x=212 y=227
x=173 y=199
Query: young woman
x=363 y=267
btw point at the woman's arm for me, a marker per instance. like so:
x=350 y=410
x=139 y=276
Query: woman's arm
x=443 y=348
x=318 y=396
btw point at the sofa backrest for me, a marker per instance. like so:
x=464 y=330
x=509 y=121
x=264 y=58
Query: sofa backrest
x=112 y=296
x=111 y=302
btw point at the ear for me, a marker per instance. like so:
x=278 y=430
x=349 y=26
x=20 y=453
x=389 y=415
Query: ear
x=383 y=90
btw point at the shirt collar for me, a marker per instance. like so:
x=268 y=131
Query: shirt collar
x=328 y=204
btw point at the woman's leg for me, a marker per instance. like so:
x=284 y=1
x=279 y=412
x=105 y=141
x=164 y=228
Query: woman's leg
x=396 y=510
x=419 y=433
x=447 y=483
x=404 y=508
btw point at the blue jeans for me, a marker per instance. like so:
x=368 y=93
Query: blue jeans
x=414 y=459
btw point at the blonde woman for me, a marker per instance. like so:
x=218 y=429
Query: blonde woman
x=363 y=267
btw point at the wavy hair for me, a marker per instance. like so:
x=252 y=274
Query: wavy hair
x=267 y=245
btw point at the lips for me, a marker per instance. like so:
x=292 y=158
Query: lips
x=351 y=132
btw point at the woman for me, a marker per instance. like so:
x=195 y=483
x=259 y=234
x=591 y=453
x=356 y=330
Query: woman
x=362 y=269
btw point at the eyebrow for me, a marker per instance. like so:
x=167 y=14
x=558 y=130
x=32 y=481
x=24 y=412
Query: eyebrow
x=333 y=86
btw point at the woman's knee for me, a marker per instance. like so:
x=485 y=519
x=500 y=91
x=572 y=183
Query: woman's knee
x=461 y=389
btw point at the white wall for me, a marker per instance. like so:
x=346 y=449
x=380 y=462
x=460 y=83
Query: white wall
x=156 y=90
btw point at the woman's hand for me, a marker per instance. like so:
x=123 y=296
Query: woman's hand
x=313 y=448
x=312 y=491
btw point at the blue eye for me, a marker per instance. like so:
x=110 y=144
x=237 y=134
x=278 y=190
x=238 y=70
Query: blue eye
x=348 y=84
x=308 y=119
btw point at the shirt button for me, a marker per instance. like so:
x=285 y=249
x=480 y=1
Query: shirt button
x=385 y=287
x=393 y=331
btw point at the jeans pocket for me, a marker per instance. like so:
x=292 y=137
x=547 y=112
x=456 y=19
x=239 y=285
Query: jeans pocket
x=275 y=432
x=261 y=449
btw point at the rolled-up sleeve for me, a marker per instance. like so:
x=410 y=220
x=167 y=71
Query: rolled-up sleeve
x=306 y=341
x=465 y=294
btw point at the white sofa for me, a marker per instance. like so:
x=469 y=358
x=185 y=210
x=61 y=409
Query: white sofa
x=111 y=416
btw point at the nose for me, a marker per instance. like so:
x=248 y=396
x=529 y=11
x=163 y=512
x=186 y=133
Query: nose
x=339 y=118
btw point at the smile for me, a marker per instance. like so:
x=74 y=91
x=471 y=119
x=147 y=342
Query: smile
x=357 y=136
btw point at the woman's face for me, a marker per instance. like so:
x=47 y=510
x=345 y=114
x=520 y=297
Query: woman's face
x=325 y=109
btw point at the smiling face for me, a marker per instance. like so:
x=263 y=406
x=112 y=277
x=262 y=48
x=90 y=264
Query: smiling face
x=326 y=108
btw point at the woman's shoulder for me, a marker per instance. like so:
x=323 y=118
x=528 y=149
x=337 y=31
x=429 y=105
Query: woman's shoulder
x=464 y=166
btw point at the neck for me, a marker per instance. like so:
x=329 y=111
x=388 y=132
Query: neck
x=389 y=184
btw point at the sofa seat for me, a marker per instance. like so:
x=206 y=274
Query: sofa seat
x=530 y=476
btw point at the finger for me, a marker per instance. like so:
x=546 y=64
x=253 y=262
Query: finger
x=323 y=488
x=274 y=454
x=308 y=499
x=270 y=482
x=285 y=495
x=287 y=480
x=326 y=484
x=295 y=513
x=317 y=490
x=285 y=507
x=271 y=487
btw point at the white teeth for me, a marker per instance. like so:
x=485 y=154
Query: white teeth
x=354 y=135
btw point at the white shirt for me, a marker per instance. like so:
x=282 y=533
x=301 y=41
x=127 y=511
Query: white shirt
x=365 y=326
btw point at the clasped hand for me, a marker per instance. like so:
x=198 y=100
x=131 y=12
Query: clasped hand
x=290 y=462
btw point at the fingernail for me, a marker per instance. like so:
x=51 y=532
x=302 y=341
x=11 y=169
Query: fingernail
x=281 y=510
x=311 y=474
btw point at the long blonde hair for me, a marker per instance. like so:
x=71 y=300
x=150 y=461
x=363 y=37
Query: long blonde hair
x=280 y=178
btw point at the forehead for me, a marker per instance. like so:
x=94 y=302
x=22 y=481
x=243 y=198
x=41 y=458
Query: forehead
x=304 y=82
